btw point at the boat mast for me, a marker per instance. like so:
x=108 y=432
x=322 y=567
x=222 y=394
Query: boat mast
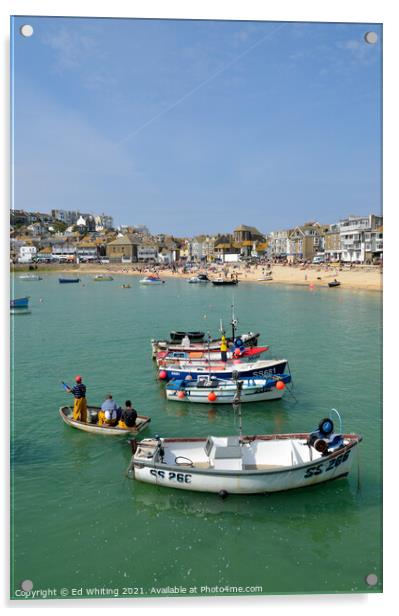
x=233 y=321
x=209 y=351
x=237 y=402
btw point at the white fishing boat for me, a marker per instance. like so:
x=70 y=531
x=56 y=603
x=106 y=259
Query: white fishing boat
x=209 y=390
x=167 y=358
x=244 y=464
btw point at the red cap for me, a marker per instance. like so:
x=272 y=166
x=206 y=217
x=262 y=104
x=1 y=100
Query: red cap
x=78 y=379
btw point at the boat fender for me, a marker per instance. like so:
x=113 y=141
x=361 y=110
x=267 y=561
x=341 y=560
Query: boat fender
x=133 y=445
x=223 y=494
x=326 y=427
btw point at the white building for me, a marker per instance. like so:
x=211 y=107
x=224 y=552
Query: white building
x=147 y=253
x=67 y=216
x=64 y=251
x=103 y=222
x=353 y=233
x=26 y=254
x=278 y=244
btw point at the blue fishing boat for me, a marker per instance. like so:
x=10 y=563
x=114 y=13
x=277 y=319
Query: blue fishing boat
x=68 y=280
x=21 y=302
x=263 y=368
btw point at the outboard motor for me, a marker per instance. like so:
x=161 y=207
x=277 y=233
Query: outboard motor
x=323 y=439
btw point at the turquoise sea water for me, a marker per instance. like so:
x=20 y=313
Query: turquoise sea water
x=78 y=522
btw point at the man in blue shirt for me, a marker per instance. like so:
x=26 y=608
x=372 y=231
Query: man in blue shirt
x=109 y=412
x=79 y=394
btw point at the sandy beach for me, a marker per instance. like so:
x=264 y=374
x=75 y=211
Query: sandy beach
x=368 y=278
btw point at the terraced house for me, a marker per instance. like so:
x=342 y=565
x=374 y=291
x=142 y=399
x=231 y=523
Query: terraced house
x=306 y=241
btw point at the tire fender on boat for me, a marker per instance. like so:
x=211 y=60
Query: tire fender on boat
x=326 y=426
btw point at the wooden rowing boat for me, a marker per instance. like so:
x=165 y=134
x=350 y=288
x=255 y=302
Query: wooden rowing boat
x=142 y=422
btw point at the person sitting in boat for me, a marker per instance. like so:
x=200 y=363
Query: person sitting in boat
x=109 y=412
x=129 y=416
x=80 y=404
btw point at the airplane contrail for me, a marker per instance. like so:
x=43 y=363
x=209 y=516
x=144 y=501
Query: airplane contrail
x=200 y=85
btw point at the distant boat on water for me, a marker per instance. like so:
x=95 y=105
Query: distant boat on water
x=30 y=277
x=68 y=280
x=221 y=282
x=102 y=278
x=151 y=280
x=200 y=278
x=21 y=302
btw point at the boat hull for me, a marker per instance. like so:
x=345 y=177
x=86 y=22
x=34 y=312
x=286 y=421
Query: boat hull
x=163 y=345
x=30 y=277
x=66 y=416
x=68 y=280
x=262 y=370
x=178 y=358
x=21 y=302
x=224 y=397
x=278 y=479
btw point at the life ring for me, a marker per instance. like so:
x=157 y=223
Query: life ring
x=326 y=427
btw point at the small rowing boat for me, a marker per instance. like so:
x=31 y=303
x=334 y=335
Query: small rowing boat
x=91 y=426
x=219 y=282
x=244 y=464
x=20 y=302
x=334 y=283
x=31 y=277
x=209 y=390
x=68 y=280
x=102 y=278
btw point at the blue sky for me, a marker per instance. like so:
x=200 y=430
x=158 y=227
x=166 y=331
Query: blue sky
x=197 y=126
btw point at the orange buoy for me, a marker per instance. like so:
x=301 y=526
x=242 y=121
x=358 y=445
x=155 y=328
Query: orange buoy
x=212 y=396
x=280 y=385
x=181 y=394
x=163 y=374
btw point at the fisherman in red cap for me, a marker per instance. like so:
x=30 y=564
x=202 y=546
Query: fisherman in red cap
x=80 y=405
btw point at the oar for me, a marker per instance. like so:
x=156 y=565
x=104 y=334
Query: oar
x=65 y=386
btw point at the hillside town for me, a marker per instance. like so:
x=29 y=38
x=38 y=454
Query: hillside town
x=65 y=236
